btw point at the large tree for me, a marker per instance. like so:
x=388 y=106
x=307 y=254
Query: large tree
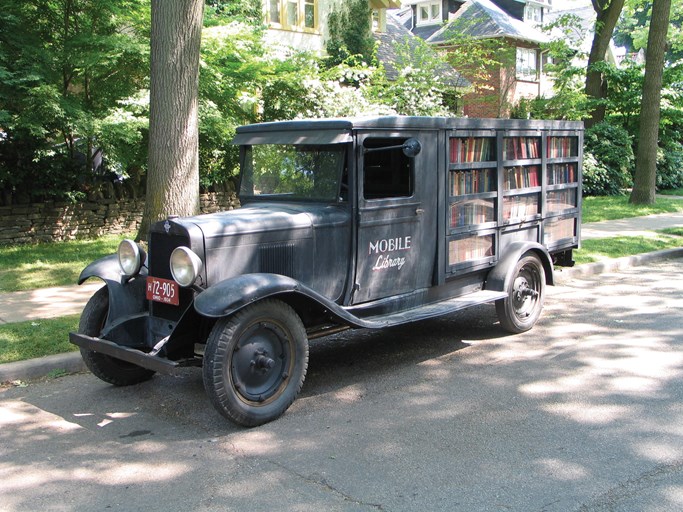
x=173 y=166
x=648 y=132
x=607 y=14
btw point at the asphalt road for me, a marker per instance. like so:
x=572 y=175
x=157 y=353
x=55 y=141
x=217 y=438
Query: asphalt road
x=583 y=413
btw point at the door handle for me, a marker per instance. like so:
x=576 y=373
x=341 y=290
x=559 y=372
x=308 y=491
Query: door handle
x=419 y=211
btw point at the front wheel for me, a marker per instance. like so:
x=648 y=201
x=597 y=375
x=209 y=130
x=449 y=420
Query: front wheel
x=109 y=369
x=255 y=362
x=519 y=311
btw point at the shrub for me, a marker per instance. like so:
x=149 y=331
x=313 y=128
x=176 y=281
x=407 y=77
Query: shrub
x=610 y=146
x=670 y=166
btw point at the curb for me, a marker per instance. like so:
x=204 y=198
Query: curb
x=71 y=362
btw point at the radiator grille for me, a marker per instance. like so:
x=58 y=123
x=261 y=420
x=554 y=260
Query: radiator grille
x=161 y=246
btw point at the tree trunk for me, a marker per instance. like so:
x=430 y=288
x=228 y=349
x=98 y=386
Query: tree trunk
x=173 y=165
x=648 y=130
x=596 y=88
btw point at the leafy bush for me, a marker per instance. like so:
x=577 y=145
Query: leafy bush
x=610 y=146
x=596 y=177
x=670 y=166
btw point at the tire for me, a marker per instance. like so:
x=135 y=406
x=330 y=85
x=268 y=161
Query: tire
x=520 y=310
x=109 y=369
x=255 y=362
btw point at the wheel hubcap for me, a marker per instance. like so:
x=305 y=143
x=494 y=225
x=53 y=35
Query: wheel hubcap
x=525 y=293
x=260 y=364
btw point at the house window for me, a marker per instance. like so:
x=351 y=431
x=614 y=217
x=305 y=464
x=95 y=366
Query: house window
x=293 y=14
x=527 y=64
x=429 y=13
x=533 y=13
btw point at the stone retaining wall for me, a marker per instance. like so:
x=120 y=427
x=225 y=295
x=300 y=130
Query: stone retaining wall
x=54 y=221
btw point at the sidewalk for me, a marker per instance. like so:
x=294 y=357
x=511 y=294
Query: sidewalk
x=70 y=300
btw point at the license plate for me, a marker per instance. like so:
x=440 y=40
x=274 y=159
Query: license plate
x=162 y=290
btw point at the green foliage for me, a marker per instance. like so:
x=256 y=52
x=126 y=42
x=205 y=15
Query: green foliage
x=222 y=12
x=608 y=160
x=64 y=65
x=418 y=89
x=670 y=166
x=350 y=33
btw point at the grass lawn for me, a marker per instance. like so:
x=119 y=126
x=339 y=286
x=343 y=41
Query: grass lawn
x=36 y=338
x=596 y=209
x=28 y=267
x=603 y=248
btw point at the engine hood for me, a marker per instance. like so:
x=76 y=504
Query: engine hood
x=267 y=221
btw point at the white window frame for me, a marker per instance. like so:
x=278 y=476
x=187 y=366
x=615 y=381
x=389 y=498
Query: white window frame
x=279 y=12
x=533 y=13
x=527 y=64
x=433 y=13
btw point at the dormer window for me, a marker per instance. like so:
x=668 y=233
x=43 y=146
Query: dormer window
x=429 y=13
x=533 y=13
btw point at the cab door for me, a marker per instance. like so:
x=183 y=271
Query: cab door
x=397 y=212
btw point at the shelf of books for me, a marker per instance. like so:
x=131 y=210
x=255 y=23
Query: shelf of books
x=473 y=211
x=562 y=147
x=561 y=201
x=520 y=206
x=521 y=148
x=464 y=150
x=562 y=174
x=521 y=176
x=471 y=248
x=558 y=229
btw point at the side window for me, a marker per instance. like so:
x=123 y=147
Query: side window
x=387 y=172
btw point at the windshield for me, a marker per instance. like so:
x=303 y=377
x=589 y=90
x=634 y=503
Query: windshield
x=293 y=171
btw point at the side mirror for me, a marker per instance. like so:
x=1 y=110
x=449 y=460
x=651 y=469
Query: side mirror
x=411 y=148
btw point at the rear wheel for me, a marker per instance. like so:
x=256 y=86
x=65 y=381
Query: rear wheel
x=255 y=362
x=109 y=369
x=520 y=310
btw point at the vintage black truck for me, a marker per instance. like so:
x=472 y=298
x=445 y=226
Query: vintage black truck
x=346 y=223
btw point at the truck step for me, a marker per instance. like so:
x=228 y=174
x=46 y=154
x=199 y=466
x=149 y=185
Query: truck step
x=433 y=310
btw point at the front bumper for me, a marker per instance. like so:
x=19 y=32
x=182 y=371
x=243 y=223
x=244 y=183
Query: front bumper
x=127 y=354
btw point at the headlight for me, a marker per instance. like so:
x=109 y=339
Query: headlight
x=131 y=257
x=185 y=266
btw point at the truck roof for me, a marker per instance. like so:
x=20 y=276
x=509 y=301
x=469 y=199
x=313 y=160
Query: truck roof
x=406 y=122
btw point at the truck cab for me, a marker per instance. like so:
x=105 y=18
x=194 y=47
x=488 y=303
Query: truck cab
x=347 y=223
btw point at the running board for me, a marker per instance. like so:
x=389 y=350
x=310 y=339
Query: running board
x=433 y=310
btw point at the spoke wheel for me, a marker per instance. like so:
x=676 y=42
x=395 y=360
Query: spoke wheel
x=107 y=368
x=255 y=362
x=520 y=310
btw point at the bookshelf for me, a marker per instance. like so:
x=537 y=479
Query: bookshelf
x=510 y=184
x=472 y=195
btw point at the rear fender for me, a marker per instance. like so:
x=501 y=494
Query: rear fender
x=498 y=277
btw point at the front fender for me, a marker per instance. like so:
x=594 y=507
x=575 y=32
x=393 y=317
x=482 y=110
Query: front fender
x=498 y=277
x=126 y=295
x=107 y=269
x=231 y=295
x=228 y=296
